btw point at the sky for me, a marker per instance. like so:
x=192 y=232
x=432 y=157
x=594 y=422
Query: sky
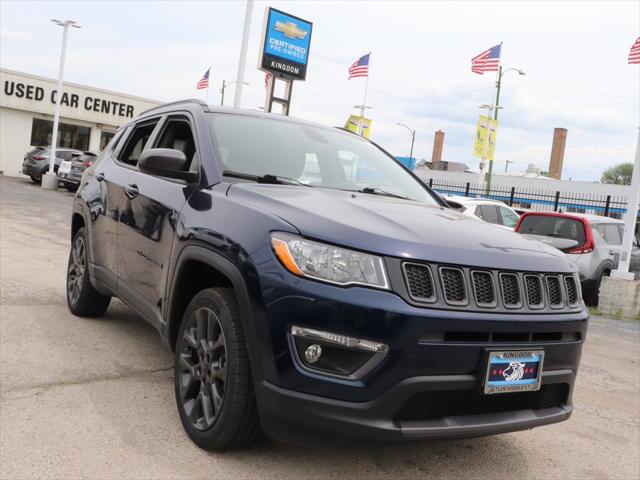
x=574 y=55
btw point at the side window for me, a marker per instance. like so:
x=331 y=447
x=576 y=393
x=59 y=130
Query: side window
x=509 y=219
x=136 y=142
x=489 y=213
x=177 y=135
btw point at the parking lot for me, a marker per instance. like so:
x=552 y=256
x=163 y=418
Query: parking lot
x=93 y=398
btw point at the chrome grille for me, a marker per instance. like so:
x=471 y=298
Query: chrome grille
x=510 y=290
x=533 y=286
x=420 y=282
x=572 y=290
x=466 y=288
x=483 y=290
x=453 y=285
x=554 y=291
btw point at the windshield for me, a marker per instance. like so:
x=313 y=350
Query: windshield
x=315 y=156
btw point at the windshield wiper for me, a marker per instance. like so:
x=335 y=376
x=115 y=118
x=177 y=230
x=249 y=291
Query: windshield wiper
x=266 y=178
x=379 y=191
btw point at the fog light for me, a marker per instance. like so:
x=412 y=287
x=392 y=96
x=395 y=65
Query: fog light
x=313 y=353
x=333 y=354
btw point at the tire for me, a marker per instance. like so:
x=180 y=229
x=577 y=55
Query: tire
x=35 y=179
x=83 y=300
x=71 y=187
x=217 y=408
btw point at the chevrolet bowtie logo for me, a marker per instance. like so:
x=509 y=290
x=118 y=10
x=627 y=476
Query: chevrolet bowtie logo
x=290 y=30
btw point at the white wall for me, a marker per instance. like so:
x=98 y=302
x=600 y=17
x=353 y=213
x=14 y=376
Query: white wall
x=15 y=136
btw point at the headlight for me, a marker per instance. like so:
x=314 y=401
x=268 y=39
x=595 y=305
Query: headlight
x=328 y=263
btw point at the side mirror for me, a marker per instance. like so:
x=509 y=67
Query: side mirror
x=166 y=162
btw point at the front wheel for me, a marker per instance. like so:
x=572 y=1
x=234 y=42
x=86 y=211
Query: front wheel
x=212 y=377
x=82 y=298
x=70 y=187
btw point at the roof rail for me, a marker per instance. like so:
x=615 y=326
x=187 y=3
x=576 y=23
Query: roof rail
x=177 y=102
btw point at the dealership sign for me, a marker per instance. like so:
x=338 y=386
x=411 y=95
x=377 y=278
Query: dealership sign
x=285 y=46
x=37 y=93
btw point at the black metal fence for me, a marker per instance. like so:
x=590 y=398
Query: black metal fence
x=537 y=199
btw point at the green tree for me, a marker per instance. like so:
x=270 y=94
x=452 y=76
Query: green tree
x=619 y=174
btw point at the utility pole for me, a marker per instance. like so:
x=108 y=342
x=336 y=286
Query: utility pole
x=50 y=180
x=222 y=93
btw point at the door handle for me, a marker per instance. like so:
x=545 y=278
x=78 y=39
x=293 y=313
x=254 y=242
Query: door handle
x=100 y=176
x=131 y=190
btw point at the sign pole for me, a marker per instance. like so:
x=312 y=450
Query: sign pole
x=630 y=220
x=243 y=54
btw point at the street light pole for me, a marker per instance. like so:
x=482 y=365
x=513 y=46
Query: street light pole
x=495 y=114
x=225 y=85
x=49 y=180
x=413 y=136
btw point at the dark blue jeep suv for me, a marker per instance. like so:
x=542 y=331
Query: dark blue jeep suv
x=309 y=284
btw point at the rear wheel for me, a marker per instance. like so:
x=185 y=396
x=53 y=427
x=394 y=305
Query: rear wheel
x=212 y=377
x=82 y=298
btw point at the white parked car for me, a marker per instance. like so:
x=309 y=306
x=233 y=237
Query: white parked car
x=491 y=211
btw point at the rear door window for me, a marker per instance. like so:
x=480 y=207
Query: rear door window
x=136 y=142
x=488 y=213
x=553 y=226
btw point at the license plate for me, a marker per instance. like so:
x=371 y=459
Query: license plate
x=65 y=167
x=513 y=371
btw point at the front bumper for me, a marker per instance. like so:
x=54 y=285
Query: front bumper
x=296 y=417
x=430 y=350
x=68 y=179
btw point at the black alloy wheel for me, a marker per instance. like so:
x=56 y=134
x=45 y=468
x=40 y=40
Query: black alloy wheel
x=212 y=373
x=75 y=273
x=82 y=298
x=202 y=368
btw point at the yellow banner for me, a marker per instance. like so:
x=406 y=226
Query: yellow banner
x=484 y=145
x=354 y=122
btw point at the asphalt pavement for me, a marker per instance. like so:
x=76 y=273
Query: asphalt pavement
x=93 y=398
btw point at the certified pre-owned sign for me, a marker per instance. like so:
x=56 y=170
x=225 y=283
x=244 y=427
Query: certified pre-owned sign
x=285 y=47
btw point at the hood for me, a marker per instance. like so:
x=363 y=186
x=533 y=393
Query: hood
x=399 y=228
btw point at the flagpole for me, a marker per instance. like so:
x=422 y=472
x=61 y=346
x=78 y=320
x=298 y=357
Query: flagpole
x=364 y=101
x=495 y=115
x=208 y=85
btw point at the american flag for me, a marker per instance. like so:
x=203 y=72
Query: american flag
x=204 y=81
x=634 y=53
x=487 y=61
x=360 y=68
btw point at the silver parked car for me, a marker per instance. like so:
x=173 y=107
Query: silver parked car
x=591 y=242
x=36 y=161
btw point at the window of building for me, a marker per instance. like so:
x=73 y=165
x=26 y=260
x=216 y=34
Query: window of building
x=105 y=138
x=136 y=142
x=69 y=136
